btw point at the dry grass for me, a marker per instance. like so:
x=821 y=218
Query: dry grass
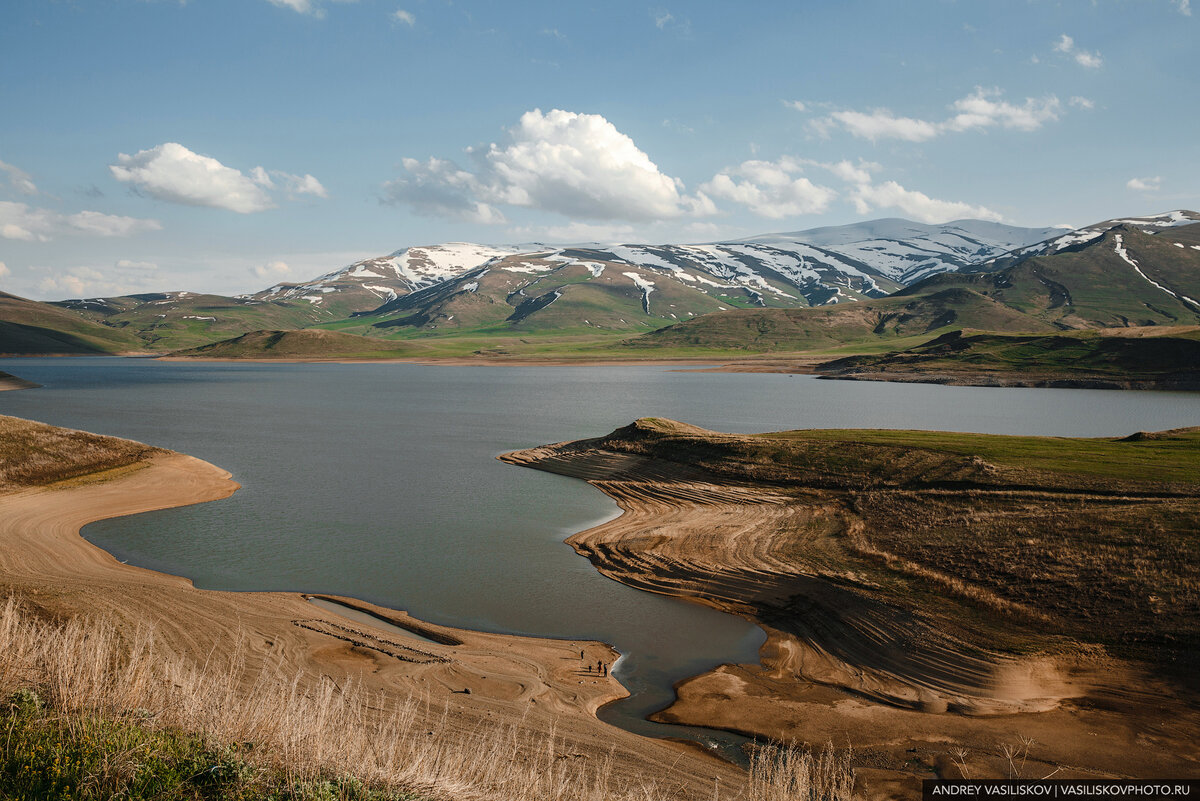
x=85 y=670
x=35 y=454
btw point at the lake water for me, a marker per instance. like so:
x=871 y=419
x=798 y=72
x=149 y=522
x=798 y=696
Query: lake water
x=378 y=481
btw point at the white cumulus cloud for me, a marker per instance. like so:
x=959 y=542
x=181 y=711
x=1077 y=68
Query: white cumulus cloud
x=1082 y=102
x=273 y=270
x=578 y=165
x=3 y=269
x=172 y=173
x=771 y=189
x=31 y=224
x=1144 y=184
x=1184 y=6
x=175 y=174
x=1084 y=58
x=982 y=109
x=400 y=15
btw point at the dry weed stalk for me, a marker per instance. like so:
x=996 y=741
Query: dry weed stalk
x=88 y=672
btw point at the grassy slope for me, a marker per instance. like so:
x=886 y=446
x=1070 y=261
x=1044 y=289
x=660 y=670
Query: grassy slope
x=302 y=344
x=1166 y=356
x=869 y=457
x=33 y=454
x=865 y=322
x=49 y=754
x=28 y=327
x=163 y=323
x=1093 y=287
x=1101 y=537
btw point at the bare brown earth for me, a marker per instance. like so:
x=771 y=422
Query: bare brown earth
x=932 y=610
x=536 y=684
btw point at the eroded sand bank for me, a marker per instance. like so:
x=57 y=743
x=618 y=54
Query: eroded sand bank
x=840 y=664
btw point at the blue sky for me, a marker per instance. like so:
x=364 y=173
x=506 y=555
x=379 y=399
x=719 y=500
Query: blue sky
x=224 y=145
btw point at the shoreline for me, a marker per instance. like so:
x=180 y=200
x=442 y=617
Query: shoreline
x=799 y=364
x=10 y=382
x=853 y=671
x=530 y=682
x=1019 y=381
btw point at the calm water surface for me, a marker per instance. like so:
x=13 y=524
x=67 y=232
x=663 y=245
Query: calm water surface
x=379 y=481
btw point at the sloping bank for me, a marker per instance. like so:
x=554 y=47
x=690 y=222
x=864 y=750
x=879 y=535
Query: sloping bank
x=900 y=573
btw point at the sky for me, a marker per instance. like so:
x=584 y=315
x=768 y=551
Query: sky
x=226 y=145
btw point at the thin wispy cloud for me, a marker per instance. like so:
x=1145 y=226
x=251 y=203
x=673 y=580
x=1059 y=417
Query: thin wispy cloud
x=1084 y=58
x=170 y=172
x=307 y=7
x=18 y=179
x=404 y=17
x=299 y=6
x=982 y=109
x=1184 y=6
x=20 y=221
x=123 y=277
x=795 y=105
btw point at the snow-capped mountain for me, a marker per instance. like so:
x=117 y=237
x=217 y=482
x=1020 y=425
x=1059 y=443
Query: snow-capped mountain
x=803 y=268
x=371 y=283
x=905 y=252
x=1066 y=240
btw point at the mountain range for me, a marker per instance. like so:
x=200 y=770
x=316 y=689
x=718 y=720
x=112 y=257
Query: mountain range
x=889 y=277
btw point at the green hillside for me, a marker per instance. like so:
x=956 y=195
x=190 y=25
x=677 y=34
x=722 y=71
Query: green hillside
x=1126 y=278
x=866 y=322
x=174 y=320
x=29 y=327
x=1166 y=358
x=534 y=294
x=1096 y=286
x=304 y=344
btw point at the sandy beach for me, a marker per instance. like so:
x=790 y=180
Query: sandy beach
x=538 y=684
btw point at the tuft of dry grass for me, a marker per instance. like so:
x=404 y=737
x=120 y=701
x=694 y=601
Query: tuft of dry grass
x=86 y=671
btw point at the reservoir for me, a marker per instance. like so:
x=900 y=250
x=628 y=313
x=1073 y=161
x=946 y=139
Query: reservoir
x=379 y=481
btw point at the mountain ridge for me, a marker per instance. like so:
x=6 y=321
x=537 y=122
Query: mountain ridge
x=464 y=289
